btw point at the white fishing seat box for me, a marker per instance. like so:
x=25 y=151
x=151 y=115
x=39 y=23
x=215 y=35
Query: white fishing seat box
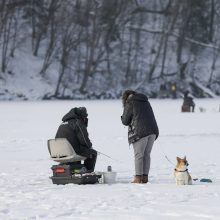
x=69 y=168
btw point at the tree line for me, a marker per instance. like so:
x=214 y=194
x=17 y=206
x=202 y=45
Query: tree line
x=105 y=46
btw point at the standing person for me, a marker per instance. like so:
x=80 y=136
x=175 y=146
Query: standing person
x=74 y=129
x=142 y=131
x=173 y=89
x=188 y=103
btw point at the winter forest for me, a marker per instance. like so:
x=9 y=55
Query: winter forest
x=94 y=49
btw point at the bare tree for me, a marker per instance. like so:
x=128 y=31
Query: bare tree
x=68 y=43
x=7 y=19
x=93 y=43
x=53 y=34
x=168 y=28
x=212 y=17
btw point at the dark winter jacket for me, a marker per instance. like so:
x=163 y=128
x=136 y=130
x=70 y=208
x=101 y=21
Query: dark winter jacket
x=188 y=100
x=139 y=117
x=74 y=129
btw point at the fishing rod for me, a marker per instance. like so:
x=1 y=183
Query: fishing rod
x=109 y=157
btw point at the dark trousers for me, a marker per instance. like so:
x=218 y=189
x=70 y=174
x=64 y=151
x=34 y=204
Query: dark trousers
x=91 y=156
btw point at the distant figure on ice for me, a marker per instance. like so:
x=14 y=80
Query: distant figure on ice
x=163 y=93
x=188 y=103
x=142 y=131
x=173 y=89
x=74 y=129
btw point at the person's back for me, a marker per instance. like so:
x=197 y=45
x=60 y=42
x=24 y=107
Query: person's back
x=142 y=131
x=74 y=129
x=64 y=131
x=143 y=116
x=188 y=103
x=68 y=129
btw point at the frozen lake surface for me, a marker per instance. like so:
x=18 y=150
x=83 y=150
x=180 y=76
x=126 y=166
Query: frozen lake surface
x=26 y=192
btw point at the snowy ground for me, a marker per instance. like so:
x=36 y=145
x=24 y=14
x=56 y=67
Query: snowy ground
x=26 y=192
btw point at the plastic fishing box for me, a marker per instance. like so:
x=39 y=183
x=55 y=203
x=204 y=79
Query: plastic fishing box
x=76 y=179
x=72 y=173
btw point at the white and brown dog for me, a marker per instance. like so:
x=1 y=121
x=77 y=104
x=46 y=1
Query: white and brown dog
x=181 y=173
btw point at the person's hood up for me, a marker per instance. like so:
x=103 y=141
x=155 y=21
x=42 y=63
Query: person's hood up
x=74 y=113
x=138 y=97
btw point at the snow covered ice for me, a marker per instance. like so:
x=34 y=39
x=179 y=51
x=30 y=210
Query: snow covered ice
x=26 y=192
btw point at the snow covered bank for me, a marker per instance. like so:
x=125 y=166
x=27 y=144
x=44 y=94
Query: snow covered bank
x=27 y=192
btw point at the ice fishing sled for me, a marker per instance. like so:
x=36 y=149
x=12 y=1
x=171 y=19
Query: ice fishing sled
x=70 y=168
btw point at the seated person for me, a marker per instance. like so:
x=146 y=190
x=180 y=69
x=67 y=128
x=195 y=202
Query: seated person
x=188 y=103
x=74 y=129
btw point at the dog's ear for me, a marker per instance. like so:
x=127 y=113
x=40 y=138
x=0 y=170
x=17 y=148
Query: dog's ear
x=184 y=158
x=178 y=159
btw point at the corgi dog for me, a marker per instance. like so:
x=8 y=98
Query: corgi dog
x=181 y=173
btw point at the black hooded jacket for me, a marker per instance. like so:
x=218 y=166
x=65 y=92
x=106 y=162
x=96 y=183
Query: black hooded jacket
x=74 y=129
x=139 y=117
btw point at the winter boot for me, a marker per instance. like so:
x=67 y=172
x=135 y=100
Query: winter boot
x=144 y=178
x=137 y=179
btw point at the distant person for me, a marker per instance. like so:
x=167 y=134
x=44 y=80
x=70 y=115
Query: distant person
x=163 y=91
x=142 y=131
x=188 y=103
x=74 y=129
x=173 y=89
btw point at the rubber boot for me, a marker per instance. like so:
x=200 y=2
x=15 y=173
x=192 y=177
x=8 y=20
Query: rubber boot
x=144 y=178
